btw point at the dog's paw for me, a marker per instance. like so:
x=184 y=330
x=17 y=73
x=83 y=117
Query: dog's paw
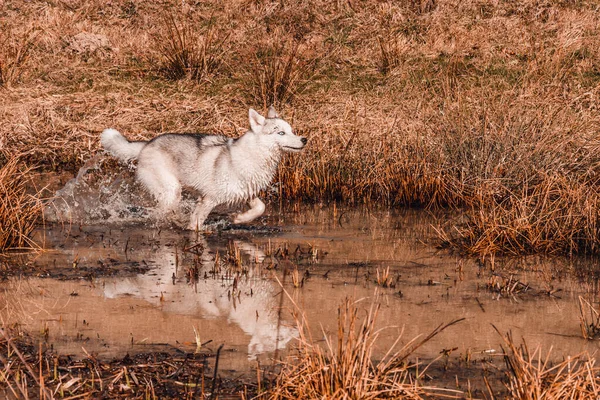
x=194 y=227
x=240 y=219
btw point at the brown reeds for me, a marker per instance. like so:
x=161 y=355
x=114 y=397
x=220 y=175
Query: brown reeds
x=557 y=215
x=344 y=367
x=32 y=371
x=533 y=375
x=589 y=320
x=20 y=206
x=15 y=49
x=383 y=278
x=506 y=286
x=187 y=51
x=280 y=72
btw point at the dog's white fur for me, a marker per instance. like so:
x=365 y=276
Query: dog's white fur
x=222 y=170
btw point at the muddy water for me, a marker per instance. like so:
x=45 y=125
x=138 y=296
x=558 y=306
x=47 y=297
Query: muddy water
x=112 y=290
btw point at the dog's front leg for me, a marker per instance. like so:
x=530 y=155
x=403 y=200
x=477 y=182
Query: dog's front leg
x=257 y=208
x=203 y=208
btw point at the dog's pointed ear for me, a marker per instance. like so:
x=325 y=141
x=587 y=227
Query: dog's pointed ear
x=272 y=113
x=256 y=120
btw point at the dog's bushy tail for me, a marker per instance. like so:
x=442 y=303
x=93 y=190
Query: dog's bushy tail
x=116 y=144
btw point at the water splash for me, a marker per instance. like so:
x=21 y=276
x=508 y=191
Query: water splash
x=101 y=194
x=105 y=192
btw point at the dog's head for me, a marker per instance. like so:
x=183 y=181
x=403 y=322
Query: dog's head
x=276 y=131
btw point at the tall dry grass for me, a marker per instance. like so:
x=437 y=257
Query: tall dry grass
x=589 y=319
x=186 y=51
x=20 y=206
x=280 y=73
x=15 y=48
x=533 y=376
x=487 y=107
x=31 y=370
x=344 y=367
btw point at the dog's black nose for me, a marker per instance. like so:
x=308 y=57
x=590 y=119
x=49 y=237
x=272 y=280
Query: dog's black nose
x=304 y=140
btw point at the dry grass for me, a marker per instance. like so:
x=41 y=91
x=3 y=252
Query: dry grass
x=589 y=320
x=20 y=209
x=32 y=371
x=557 y=215
x=506 y=286
x=185 y=51
x=14 y=52
x=280 y=73
x=344 y=367
x=533 y=376
x=491 y=107
x=384 y=279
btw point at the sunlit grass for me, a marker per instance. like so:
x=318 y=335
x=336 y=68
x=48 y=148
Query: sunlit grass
x=429 y=104
x=343 y=367
x=20 y=206
x=532 y=375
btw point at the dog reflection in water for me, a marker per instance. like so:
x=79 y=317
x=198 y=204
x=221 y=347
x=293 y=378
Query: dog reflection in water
x=253 y=307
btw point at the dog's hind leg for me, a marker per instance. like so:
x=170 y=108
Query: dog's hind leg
x=257 y=208
x=164 y=187
x=203 y=208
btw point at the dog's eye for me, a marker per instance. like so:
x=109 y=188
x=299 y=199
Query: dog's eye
x=281 y=133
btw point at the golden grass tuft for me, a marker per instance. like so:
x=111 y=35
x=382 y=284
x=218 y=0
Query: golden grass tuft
x=15 y=49
x=556 y=215
x=31 y=370
x=506 y=286
x=384 y=279
x=20 y=209
x=187 y=51
x=533 y=376
x=589 y=320
x=344 y=368
x=280 y=72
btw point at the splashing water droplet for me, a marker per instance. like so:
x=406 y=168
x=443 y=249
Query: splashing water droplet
x=101 y=194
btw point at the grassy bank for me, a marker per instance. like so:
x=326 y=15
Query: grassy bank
x=489 y=107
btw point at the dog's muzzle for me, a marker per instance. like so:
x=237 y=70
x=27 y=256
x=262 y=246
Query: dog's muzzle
x=303 y=140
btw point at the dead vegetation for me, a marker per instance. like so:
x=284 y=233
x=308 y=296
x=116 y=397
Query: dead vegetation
x=384 y=279
x=344 y=367
x=589 y=320
x=488 y=107
x=506 y=286
x=15 y=48
x=280 y=73
x=187 y=52
x=20 y=206
x=341 y=367
x=31 y=370
x=535 y=376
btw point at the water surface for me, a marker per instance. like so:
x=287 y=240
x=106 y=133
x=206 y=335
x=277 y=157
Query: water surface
x=113 y=290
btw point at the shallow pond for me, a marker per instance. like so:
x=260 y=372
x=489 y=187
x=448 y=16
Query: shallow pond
x=131 y=288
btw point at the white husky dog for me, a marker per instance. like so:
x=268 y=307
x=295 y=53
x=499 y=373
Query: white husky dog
x=221 y=169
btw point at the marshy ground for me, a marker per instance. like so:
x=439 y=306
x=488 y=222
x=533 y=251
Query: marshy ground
x=135 y=296
x=483 y=115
